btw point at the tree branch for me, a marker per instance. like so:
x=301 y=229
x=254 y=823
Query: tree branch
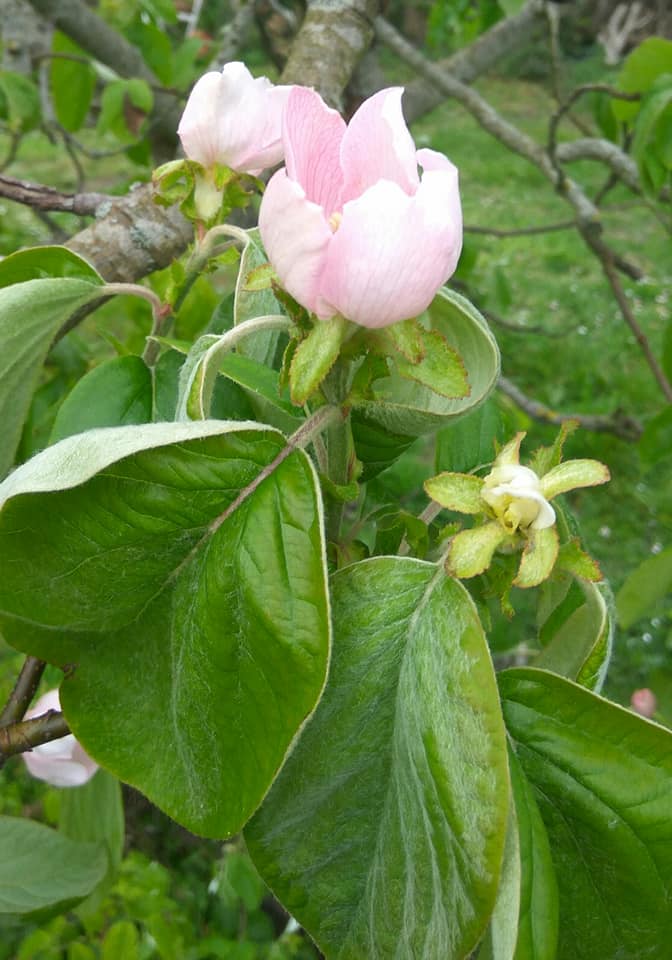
x=593 y=148
x=333 y=37
x=19 y=737
x=40 y=197
x=24 y=690
x=619 y=423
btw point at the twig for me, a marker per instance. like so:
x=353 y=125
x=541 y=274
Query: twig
x=19 y=737
x=619 y=423
x=575 y=95
x=10 y=157
x=40 y=197
x=521 y=231
x=24 y=690
x=607 y=258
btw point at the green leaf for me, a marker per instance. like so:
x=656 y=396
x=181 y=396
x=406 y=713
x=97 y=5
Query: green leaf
x=271 y=402
x=376 y=448
x=121 y=940
x=538 y=913
x=116 y=393
x=641 y=69
x=573 y=559
x=654 y=110
x=470 y=441
x=456 y=491
x=646 y=586
x=440 y=368
x=229 y=402
x=72 y=83
x=94 y=812
x=41 y=869
x=314 y=357
x=40 y=263
x=180 y=569
x=579 y=645
x=384 y=833
x=410 y=409
x=255 y=303
x=602 y=778
x=124 y=106
x=500 y=940
x=30 y=315
x=19 y=101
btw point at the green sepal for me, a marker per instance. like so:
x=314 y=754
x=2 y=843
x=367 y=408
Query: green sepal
x=405 y=338
x=573 y=474
x=456 y=491
x=539 y=556
x=545 y=458
x=574 y=559
x=471 y=551
x=314 y=357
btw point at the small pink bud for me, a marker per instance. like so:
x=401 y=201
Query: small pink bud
x=350 y=225
x=234 y=120
x=63 y=762
x=644 y=702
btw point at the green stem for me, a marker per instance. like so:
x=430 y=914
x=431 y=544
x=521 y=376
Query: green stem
x=339 y=444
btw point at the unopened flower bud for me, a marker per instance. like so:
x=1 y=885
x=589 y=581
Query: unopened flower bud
x=62 y=762
x=644 y=702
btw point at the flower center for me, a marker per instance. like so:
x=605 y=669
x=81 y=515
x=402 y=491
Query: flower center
x=335 y=221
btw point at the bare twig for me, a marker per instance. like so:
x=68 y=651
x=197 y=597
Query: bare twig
x=607 y=258
x=40 y=197
x=20 y=737
x=619 y=423
x=521 y=231
x=575 y=95
x=24 y=690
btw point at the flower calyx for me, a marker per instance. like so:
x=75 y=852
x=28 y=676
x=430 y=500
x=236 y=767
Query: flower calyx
x=513 y=501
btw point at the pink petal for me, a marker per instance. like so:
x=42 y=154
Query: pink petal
x=235 y=120
x=312 y=135
x=378 y=146
x=296 y=237
x=392 y=252
x=58 y=771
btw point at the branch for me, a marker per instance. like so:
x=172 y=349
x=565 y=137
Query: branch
x=19 y=737
x=333 y=37
x=24 y=690
x=619 y=423
x=575 y=95
x=509 y=34
x=39 y=197
x=93 y=34
x=134 y=237
x=521 y=231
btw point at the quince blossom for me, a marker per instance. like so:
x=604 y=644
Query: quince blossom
x=62 y=762
x=514 y=501
x=349 y=225
x=234 y=120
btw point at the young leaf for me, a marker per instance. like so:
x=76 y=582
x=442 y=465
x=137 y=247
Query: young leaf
x=384 y=832
x=314 y=357
x=579 y=646
x=115 y=393
x=440 y=367
x=30 y=315
x=182 y=567
x=602 y=778
x=538 y=913
x=41 y=869
x=72 y=83
x=255 y=303
x=407 y=407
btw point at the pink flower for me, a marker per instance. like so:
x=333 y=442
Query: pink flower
x=233 y=120
x=349 y=225
x=644 y=702
x=62 y=763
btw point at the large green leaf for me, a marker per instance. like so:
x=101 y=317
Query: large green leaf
x=384 y=832
x=500 y=940
x=470 y=441
x=641 y=69
x=115 y=393
x=179 y=570
x=578 y=634
x=41 y=869
x=538 y=911
x=40 y=263
x=603 y=782
x=410 y=409
x=30 y=315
